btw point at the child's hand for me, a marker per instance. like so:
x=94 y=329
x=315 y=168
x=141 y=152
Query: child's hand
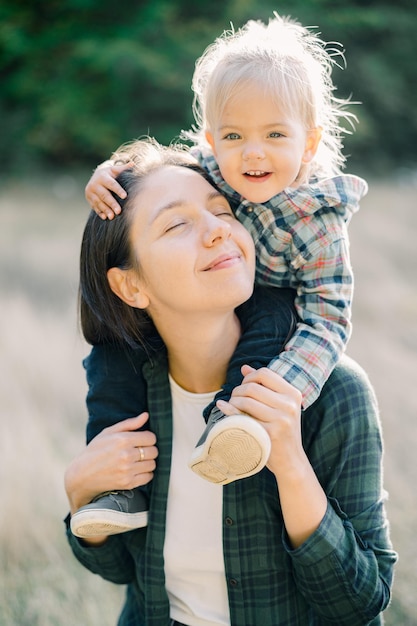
x=97 y=191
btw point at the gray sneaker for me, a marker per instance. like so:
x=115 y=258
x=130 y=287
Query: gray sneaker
x=111 y=513
x=231 y=447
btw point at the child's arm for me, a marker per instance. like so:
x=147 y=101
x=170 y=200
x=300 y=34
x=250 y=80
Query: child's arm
x=101 y=184
x=323 y=303
x=302 y=348
x=302 y=242
x=323 y=286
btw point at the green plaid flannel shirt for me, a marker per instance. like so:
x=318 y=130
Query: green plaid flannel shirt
x=341 y=575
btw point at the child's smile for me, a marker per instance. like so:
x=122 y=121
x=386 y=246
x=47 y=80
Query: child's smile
x=259 y=147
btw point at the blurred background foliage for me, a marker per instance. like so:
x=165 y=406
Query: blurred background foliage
x=82 y=76
x=79 y=77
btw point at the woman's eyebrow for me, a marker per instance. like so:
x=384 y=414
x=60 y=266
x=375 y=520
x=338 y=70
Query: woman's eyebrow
x=213 y=195
x=167 y=207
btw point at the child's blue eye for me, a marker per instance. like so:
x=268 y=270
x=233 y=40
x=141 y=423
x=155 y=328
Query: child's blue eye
x=275 y=134
x=232 y=136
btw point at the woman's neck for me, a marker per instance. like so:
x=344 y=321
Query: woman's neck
x=199 y=358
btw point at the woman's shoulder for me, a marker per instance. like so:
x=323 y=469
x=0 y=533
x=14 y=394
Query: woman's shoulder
x=349 y=375
x=347 y=402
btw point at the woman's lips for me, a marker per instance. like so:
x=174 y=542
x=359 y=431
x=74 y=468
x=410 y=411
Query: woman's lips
x=223 y=261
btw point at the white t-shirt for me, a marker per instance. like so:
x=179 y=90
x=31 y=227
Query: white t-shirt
x=193 y=550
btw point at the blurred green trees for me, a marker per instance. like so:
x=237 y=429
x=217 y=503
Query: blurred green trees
x=82 y=76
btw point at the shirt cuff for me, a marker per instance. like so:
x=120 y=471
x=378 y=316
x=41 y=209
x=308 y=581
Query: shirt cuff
x=79 y=546
x=328 y=538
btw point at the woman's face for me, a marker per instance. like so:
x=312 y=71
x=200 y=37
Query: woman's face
x=194 y=256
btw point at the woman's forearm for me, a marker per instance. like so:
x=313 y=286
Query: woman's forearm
x=303 y=501
x=76 y=484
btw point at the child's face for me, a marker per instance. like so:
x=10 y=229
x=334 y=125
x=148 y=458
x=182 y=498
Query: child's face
x=260 y=148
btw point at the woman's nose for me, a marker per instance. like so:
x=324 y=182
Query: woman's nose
x=216 y=229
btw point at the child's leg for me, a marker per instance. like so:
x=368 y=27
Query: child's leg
x=116 y=391
x=237 y=446
x=116 y=386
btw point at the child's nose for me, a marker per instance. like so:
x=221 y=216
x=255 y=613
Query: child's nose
x=253 y=151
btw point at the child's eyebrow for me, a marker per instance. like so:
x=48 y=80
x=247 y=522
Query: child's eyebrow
x=236 y=127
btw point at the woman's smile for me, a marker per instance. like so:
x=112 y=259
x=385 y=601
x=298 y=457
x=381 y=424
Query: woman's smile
x=224 y=261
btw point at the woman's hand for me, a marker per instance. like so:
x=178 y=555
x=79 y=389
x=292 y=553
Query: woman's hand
x=267 y=397
x=120 y=457
x=97 y=191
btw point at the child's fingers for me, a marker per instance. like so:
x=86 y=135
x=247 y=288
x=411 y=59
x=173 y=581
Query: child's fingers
x=101 y=187
x=104 y=204
x=121 y=167
x=101 y=183
x=101 y=208
x=109 y=183
x=104 y=210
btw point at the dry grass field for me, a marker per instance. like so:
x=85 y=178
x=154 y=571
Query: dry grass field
x=42 y=392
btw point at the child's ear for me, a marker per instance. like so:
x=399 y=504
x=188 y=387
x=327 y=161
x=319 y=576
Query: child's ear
x=312 y=143
x=126 y=285
x=210 y=140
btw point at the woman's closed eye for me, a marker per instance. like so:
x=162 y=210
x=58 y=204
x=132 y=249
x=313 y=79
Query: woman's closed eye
x=223 y=212
x=174 y=225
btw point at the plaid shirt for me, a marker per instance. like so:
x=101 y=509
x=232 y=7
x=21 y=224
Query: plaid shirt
x=341 y=575
x=301 y=242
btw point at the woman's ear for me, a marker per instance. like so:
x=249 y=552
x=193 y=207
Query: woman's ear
x=312 y=143
x=126 y=285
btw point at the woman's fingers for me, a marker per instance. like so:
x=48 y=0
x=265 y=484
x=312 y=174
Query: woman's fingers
x=120 y=457
x=268 y=378
x=129 y=424
x=136 y=446
x=265 y=396
x=265 y=385
x=127 y=443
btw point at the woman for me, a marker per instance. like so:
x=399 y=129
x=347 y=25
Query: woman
x=303 y=542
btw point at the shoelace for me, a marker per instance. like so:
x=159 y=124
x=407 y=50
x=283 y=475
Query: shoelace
x=128 y=493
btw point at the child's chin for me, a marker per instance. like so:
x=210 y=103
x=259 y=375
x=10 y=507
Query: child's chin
x=260 y=197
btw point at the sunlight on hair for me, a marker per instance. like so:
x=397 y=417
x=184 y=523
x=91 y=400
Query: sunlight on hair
x=292 y=64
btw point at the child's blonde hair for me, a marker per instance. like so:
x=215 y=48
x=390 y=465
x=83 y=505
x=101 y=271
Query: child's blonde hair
x=285 y=60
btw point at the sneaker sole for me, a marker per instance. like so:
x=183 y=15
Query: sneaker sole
x=235 y=448
x=104 y=522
